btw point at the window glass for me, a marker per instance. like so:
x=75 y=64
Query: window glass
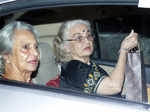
x=112 y=30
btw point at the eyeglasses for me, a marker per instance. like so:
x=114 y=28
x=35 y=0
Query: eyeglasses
x=79 y=38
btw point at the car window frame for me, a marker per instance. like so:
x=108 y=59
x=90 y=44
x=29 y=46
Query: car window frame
x=25 y=88
x=14 y=8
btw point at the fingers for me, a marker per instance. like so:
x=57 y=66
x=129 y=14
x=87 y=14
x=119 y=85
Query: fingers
x=132 y=45
x=130 y=35
x=130 y=41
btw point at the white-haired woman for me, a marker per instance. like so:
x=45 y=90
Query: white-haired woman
x=73 y=48
x=19 y=50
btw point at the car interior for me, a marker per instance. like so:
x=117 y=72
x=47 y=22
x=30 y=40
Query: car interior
x=110 y=25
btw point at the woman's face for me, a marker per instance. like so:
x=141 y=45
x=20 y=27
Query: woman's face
x=25 y=55
x=81 y=41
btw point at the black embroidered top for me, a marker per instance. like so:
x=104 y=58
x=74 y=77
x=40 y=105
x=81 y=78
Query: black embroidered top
x=79 y=76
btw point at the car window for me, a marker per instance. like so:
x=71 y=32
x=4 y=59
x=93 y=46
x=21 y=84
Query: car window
x=110 y=25
x=112 y=30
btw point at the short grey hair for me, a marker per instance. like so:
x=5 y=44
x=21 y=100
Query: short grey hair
x=7 y=34
x=61 y=54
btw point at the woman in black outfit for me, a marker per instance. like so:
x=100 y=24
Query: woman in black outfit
x=73 y=48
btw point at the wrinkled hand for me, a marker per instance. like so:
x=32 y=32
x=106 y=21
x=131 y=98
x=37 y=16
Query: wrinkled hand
x=130 y=41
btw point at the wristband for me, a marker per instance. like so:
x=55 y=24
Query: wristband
x=124 y=49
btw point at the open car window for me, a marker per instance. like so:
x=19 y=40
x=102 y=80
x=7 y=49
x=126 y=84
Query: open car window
x=110 y=24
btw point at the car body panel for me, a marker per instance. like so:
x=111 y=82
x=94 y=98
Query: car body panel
x=31 y=98
x=14 y=6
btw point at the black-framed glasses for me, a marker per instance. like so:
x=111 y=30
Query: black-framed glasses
x=79 y=38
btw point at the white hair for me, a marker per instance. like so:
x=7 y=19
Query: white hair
x=7 y=35
x=61 y=54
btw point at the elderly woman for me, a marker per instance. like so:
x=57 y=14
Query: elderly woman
x=74 y=46
x=19 y=50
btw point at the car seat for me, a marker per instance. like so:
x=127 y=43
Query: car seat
x=47 y=69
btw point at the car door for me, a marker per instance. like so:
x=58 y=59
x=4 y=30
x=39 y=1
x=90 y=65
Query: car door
x=108 y=18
